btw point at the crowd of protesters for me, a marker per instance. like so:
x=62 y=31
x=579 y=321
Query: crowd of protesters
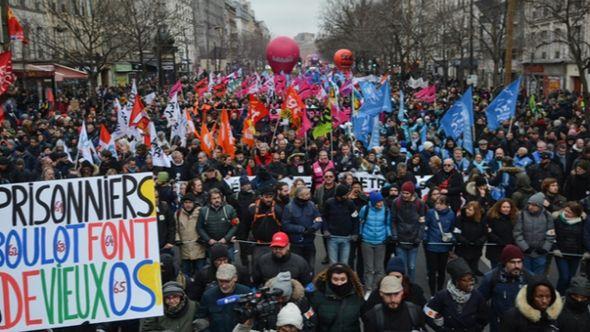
x=521 y=201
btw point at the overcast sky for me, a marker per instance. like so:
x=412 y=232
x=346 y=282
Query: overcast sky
x=288 y=17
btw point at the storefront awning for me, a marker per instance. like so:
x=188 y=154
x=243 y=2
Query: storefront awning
x=66 y=73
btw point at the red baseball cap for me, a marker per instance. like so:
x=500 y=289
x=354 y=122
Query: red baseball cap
x=279 y=239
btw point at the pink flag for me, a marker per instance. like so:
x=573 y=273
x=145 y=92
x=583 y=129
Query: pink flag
x=177 y=87
x=305 y=124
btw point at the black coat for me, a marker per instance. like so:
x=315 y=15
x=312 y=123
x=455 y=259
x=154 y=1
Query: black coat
x=501 y=234
x=576 y=187
x=574 y=320
x=471 y=236
x=569 y=236
x=267 y=267
x=166 y=225
x=340 y=217
x=469 y=317
x=453 y=183
x=524 y=318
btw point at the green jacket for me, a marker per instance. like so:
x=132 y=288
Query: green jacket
x=184 y=323
x=335 y=314
x=217 y=223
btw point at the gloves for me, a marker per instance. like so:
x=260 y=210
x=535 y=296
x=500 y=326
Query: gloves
x=529 y=251
x=327 y=234
x=541 y=251
x=557 y=253
x=586 y=255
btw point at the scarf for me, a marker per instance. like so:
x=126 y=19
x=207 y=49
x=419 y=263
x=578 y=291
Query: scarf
x=177 y=311
x=458 y=295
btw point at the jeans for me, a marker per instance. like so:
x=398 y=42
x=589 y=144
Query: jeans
x=535 y=265
x=339 y=249
x=307 y=251
x=567 y=268
x=190 y=267
x=409 y=258
x=373 y=256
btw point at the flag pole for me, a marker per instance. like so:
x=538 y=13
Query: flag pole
x=510 y=126
x=331 y=142
x=275 y=131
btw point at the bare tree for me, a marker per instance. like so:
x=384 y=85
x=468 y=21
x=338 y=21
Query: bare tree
x=87 y=36
x=573 y=16
x=492 y=33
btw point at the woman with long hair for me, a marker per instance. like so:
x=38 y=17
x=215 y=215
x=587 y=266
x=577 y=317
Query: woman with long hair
x=471 y=234
x=569 y=235
x=500 y=221
x=440 y=222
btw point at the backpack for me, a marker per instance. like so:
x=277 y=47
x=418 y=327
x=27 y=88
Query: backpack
x=417 y=202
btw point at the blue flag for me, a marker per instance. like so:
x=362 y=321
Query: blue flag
x=362 y=124
x=375 y=133
x=502 y=108
x=375 y=101
x=401 y=115
x=458 y=120
x=386 y=95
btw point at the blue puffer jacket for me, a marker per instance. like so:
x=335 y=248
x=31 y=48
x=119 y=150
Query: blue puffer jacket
x=446 y=218
x=375 y=225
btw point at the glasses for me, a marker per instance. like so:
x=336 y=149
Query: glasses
x=448 y=165
x=328 y=176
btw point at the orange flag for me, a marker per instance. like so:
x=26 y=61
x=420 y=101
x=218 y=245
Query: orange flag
x=294 y=106
x=256 y=110
x=138 y=117
x=207 y=144
x=248 y=133
x=226 y=139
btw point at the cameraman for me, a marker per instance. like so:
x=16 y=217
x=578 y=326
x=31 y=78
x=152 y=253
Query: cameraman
x=289 y=319
x=220 y=318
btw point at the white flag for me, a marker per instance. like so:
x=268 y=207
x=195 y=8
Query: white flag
x=85 y=146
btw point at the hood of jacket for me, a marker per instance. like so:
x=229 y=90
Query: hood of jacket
x=298 y=290
x=532 y=314
x=321 y=283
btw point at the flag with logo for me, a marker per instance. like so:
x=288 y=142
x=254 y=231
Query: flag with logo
x=85 y=147
x=458 y=120
x=15 y=30
x=6 y=74
x=503 y=107
x=106 y=141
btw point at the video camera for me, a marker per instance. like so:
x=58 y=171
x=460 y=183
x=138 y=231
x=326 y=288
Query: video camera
x=259 y=305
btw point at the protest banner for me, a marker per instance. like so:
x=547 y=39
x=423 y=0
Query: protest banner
x=78 y=250
x=234 y=181
x=370 y=182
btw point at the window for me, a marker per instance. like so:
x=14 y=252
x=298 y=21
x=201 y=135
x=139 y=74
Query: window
x=532 y=56
x=544 y=55
x=557 y=54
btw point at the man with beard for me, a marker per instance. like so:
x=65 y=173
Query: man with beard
x=210 y=314
x=241 y=202
x=458 y=307
x=218 y=222
x=337 y=300
x=179 y=311
x=301 y=220
x=280 y=259
x=264 y=220
x=501 y=284
x=345 y=161
x=575 y=316
x=450 y=183
x=282 y=192
x=393 y=313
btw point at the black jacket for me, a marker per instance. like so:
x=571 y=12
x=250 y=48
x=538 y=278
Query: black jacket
x=524 y=318
x=266 y=267
x=470 y=316
x=573 y=319
x=501 y=235
x=340 y=217
x=408 y=317
x=569 y=235
x=262 y=221
x=470 y=236
x=453 y=183
x=166 y=225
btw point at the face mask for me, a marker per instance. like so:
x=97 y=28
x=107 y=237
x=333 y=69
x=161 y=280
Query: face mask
x=341 y=290
x=577 y=305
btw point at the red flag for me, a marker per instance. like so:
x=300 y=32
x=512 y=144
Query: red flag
x=104 y=138
x=226 y=139
x=248 y=133
x=1 y=115
x=6 y=75
x=256 y=111
x=138 y=117
x=202 y=86
x=15 y=30
x=177 y=87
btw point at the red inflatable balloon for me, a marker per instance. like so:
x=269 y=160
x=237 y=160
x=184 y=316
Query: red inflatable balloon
x=282 y=53
x=343 y=59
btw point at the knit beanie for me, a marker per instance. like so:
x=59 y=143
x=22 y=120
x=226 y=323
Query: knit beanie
x=283 y=282
x=375 y=197
x=510 y=252
x=395 y=264
x=537 y=199
x=171 y=288
x=341 y=190
x=290 y=315
x=457 y=268
x=409 y=187
x=218 y=250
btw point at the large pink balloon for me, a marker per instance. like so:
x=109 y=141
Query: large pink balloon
x=282 y=53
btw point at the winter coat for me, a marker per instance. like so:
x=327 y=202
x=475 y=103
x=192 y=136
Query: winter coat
x=318 y=171
x=345 y=163
x=534 y=231
x=187 y=235
x=556 y=202
x=220 y=318
x=217 y=223
x=263 y=221
x=241 y=201
x=375 y=224
x=412 y=293
x=501 y=289
x=453 y=183
x=569 y=234
x=446 y=219
x=469 y=316
x=486 y=201
x=572 y=320
x=340 y=217
x=523 y=190
x=408 y=220
x=501 y=235
x=537 y=173
x=524 y=318
x=470 y=235
x=408 y=317
x=299 y=299
x=205 y=279
x=334 y=313
x=267 y=267
x=217 y=183
x=166 y=225
x=577 y=187
x=299 y=216
x=183 y=323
